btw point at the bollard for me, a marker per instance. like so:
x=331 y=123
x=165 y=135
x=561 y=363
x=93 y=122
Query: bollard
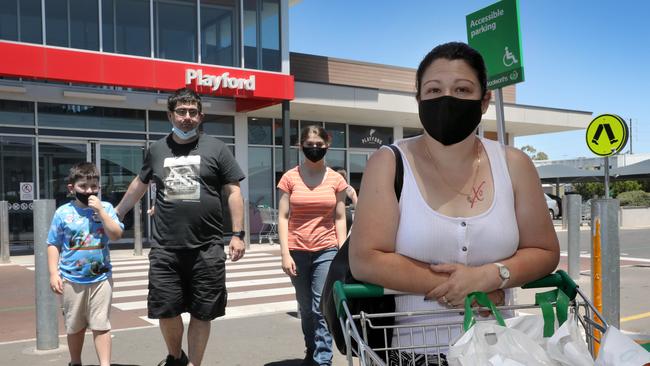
x=247 y=224
x=47 y=304
x=565 y=220
x=4 y=232
x=137 y=229
x=604 y=216
x=573 y=214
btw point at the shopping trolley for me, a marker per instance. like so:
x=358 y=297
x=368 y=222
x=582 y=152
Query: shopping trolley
x=357 y=327
x=269 y=230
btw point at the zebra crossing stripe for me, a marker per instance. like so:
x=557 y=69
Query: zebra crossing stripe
x=136 y=305
x=242 y=311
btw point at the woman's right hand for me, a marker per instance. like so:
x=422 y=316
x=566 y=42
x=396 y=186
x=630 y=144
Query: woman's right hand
x=289 y=266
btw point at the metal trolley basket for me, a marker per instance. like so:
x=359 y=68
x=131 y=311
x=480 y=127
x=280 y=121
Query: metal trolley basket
x=356 y=327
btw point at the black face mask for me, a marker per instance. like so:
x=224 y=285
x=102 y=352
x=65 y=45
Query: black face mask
x=314 y=153
x=83 y=197
x=449 y=120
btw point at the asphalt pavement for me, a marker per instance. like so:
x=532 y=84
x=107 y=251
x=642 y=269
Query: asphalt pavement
x=275 y=339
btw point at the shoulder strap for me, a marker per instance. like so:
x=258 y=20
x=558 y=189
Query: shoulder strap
x=399 y=171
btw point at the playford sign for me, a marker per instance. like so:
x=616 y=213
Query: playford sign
x=218 y=81
x=251 y=89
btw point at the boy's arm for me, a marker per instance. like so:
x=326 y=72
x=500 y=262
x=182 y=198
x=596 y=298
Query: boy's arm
x=56 y=284
x=112 y=227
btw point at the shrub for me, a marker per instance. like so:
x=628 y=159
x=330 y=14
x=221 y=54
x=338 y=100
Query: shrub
x=634 y=198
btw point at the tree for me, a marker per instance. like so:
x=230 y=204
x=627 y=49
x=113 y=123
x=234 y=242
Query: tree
x=533 y=153
x=591 y=189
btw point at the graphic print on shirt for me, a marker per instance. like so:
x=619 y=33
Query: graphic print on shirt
x=182 y=178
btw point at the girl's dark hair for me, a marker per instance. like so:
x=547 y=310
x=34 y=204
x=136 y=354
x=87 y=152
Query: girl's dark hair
x=83 y=170
x=453 y=51
x=316 y=130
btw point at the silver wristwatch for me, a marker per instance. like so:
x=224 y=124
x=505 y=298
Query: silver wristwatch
x=504 y=274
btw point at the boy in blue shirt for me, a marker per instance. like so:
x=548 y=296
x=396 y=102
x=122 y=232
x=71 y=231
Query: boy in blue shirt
x=79 y=262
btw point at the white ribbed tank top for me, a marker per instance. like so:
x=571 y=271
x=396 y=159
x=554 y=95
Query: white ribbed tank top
x=431 y=237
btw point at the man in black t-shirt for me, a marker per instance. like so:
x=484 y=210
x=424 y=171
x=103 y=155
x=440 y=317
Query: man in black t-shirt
x=187 y=270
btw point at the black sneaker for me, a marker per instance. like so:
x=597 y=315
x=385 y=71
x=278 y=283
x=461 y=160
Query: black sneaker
x=172 y=361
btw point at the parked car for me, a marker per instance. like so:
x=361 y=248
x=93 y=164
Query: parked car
x=553 y=208
x=559 y=204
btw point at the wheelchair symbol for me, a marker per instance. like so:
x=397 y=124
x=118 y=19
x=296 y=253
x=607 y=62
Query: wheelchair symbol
x=508 y=58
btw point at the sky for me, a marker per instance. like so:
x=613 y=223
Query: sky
x=581 y=55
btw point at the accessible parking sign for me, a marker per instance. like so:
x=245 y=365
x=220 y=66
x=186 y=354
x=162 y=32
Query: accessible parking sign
x=494 y=32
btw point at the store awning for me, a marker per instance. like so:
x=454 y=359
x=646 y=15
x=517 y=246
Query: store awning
x=559 y=173
x=250 y=89
x=640 y=170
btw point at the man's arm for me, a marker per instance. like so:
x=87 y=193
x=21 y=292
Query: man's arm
x=133 y=194
x=236 y=206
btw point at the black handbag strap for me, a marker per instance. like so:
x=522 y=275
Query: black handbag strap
x=399 y=171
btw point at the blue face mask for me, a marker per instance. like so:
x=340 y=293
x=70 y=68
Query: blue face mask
x=184 y=135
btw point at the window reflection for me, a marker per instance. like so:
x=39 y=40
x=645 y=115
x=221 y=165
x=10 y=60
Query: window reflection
x=17 y=166
x=72 y=23
x=89 y=117
x=175 y=23
x=16 y=113
x=218 y=27
x=126 y=27
x=260 y=131
x=250 y=34
x=270 y=33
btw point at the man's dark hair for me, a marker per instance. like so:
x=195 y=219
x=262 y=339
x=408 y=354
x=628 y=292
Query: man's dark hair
x=453 y=51
x=85 y=170
x=184 y=96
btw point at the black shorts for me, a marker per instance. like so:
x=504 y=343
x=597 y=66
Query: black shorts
x=189 y=280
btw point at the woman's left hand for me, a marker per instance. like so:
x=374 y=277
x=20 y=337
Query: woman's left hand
x=462 y=281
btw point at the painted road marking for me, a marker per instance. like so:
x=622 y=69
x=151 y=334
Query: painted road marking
x=635 y=317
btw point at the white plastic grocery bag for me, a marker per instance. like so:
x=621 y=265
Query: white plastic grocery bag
x=616 y=349
x=567 y=346
x=494 y=345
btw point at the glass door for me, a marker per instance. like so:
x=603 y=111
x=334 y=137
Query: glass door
x=55 y=158
x=118 y=164
x=358 y=161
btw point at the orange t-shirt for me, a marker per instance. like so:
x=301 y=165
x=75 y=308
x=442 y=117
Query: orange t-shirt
x=312 y=210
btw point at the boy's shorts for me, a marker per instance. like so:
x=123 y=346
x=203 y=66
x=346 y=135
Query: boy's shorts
x=187 y=280
x=87 y=305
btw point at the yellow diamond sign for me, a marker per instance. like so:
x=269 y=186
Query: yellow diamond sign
x=607 y=135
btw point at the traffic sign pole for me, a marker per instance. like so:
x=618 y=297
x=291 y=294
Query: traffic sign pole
x=501 y=122
x=494 y=32
x=606 y=176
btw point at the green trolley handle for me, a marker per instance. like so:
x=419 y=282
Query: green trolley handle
x=559 y=280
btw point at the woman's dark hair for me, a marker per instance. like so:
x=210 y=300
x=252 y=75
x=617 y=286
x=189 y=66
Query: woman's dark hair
x=453 y=51
x=316 y=130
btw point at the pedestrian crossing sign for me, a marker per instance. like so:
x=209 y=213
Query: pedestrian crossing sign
x=607 y=135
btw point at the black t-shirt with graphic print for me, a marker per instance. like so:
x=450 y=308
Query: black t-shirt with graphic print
x=189 y=179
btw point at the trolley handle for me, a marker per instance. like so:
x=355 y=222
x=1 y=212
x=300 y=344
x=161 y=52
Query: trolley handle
x=342 y=291
x=355 y=291
x=560 y=280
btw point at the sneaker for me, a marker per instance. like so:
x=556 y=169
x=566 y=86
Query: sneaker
x=171 y=361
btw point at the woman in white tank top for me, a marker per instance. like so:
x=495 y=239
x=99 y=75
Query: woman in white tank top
x=471 y=215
